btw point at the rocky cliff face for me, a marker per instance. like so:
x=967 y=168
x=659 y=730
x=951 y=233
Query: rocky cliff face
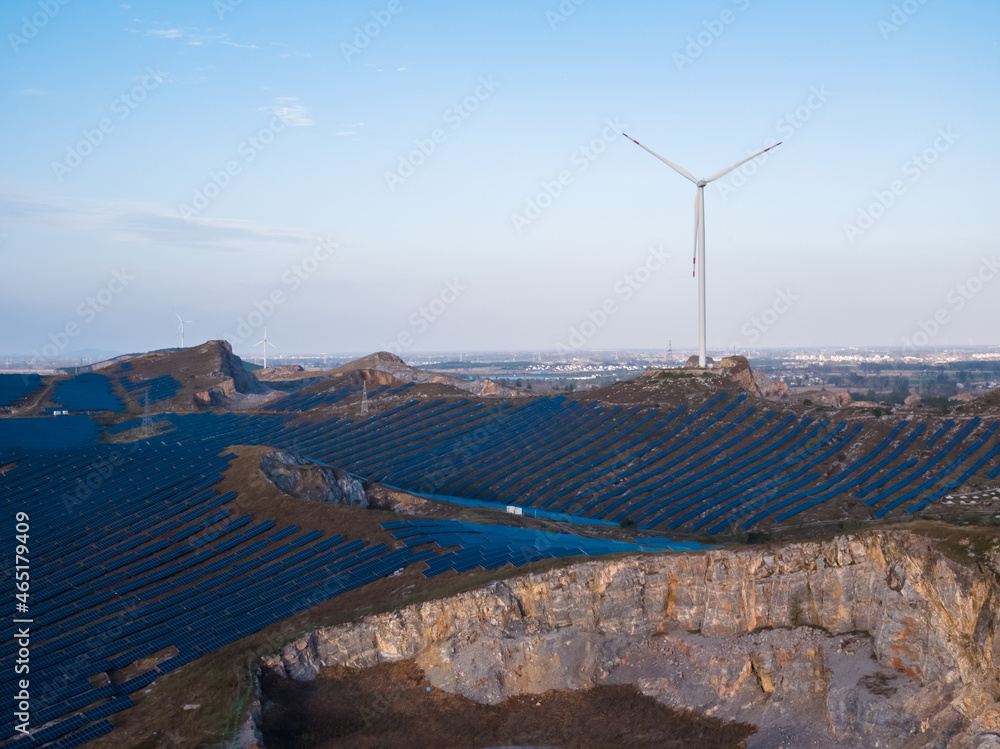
x=876 y=640
x=305 y=480
x=234 y=382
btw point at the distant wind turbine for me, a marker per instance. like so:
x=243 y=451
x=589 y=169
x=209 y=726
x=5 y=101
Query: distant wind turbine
x=180 y=328
x=266 y=344
x=699 y=234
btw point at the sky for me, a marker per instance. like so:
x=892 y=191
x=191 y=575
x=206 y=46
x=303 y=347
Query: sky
x=416 y=176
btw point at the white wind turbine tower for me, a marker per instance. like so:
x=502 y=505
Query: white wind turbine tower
x=180 y=328
x=266 y=344
x=699 y=233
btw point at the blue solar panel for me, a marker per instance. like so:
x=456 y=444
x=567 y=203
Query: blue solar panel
x=87 y=392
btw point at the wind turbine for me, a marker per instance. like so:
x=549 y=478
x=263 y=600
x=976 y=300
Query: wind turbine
x=266 y=344
x=699 y=233
x=180 y=328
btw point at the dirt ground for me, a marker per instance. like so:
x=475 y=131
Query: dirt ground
x=394 y=705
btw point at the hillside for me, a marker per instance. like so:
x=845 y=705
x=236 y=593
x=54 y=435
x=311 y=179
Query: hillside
x=181 y=556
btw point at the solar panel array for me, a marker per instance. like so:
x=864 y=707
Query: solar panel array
x=87 y=392
x=490 y=547
x=134 y=554
x=693 y=469
x=47 y=433
x=139 y=554
x=14 y=387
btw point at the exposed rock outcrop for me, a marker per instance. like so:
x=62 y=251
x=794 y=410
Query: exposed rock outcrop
x=233 y=378
x=485 y=387
x=738 y=369
x=693 y=362
x=879 y=640
x=285 y=372
x=827 y=398
x=309 y=481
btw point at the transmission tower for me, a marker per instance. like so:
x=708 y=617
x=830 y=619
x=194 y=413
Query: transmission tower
x=146 y=430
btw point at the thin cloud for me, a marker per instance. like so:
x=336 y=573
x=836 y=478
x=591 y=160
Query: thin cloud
x=166 y=33
x=241 y=46
x=129 y=221
x=290 y=111
x=32 y=92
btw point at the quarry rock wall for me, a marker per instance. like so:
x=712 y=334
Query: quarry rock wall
x=874 y=637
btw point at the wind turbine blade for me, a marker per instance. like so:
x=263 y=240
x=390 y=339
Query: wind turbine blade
x=680 y=170
x=178 y=316
x=724 y=172
x=179 y=328
x=697 y=228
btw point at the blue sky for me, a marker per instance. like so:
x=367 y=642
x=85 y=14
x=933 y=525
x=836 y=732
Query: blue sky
x=452 y=178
